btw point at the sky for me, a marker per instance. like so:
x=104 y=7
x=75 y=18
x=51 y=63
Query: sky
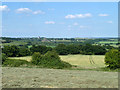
x=59 y=19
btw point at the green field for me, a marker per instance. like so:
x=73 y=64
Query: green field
x=79 y=60
x=107 y=42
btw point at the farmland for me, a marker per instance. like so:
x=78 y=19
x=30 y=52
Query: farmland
x=88 y=69
x=55 y=41
x=56 y=78
x=82 y=61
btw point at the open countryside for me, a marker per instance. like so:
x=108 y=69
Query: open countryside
x=59 y=45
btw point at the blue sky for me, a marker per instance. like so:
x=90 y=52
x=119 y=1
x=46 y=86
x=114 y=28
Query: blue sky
x=60 y=19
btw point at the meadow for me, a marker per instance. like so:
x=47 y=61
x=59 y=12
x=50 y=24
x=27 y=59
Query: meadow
x=81 y=61
x=13 y=77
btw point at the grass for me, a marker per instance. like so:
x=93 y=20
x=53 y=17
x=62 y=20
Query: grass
x=16 y=43
x=33 y=77
x=82 y=61
x=107 y=42
x=55 y=78
x=28 y=58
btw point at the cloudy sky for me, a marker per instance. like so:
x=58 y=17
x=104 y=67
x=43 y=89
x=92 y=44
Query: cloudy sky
x=65 y=19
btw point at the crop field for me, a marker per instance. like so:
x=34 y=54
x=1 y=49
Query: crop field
x=84 y=61
x=57 y=78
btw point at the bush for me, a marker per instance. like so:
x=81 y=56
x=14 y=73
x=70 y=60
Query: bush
x=112 y=59
x=36 y=58
x=49 y=60
x=15 y=62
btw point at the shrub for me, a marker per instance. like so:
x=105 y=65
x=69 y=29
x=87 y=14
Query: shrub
x=52 y=60
x=49 y=60
x=15 y=62
x=36 y=58
x=112 y=59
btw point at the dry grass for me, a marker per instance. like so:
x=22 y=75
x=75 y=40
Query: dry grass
x=84 y=60
x=28 y=58
x=56 y=78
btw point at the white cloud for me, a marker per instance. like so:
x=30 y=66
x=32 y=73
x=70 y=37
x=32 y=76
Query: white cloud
x=4 y=8
x=27 y=10
x=49 y=22
x=70 y=16
x=78 y=16
x=75 y=24
x=38 y=12
x=103 y=15
x=109 y=21
x=23 y=10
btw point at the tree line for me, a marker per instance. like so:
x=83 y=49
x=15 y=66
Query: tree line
x=49 y=57
x=61 y=49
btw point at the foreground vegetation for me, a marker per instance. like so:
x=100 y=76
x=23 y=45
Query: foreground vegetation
x=54 y=78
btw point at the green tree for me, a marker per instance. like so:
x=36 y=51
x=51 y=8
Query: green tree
x=73 y=49
x=40 y=48
x=4 y=57
x=61 y=49
x=11 y=51
x=24 y=52
x=112 y=59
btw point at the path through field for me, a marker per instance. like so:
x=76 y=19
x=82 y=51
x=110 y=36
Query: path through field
x=56 y=78
x=85 y=61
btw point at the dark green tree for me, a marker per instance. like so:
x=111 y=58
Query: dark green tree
x=24 y=52
x=11 y=51
x=112 y=59
x=61 y=49
x=4 y=57
x=73 y=49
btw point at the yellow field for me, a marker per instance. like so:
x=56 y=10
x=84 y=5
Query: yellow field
x=84 y=60
x=79 y=60
x=28 y=58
